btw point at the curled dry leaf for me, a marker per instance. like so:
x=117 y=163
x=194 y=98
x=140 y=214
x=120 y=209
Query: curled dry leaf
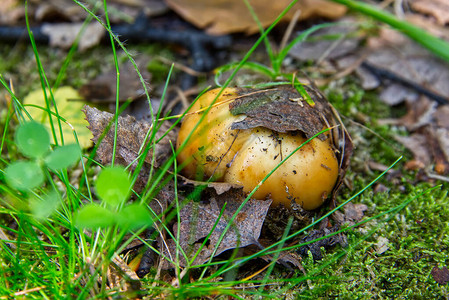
x=282 y=110
x=228 y=16
x=131 y=138
x=198 y=220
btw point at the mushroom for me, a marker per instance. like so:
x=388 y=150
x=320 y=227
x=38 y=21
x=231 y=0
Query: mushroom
x=222 y=149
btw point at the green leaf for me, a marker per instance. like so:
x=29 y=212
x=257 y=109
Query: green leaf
x=42 y=209
x=94 y=216
x=24 y=175
x=63 y=157
x=32 y=139
x=134 y=216
x=113 y=185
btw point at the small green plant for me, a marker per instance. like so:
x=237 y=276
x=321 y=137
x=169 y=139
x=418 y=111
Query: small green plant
x=33 y=141
x=113 y=187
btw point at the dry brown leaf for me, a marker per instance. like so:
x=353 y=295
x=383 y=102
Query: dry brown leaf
x=282 y=110
x=439 y=9
x=228 y=16
x=131 y=136
x=419 y=113
x=198 y=219
x=441 y=116
x=398 y=57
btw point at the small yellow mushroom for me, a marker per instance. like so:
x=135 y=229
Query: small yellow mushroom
x=246 y=156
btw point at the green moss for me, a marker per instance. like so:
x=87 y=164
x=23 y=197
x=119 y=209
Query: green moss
x=417 y=239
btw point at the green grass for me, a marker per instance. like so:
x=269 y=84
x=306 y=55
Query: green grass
x=55 y=258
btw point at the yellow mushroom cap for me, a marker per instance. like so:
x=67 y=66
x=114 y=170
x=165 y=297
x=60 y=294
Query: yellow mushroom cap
x=246 y=156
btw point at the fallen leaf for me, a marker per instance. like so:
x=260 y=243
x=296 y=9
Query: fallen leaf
x=420 y=113
x=282 y=110
x=441 y=118
x=228 y=16
x=57 y=10
x=131 y=138
x=198 y=219
x=63 y=35
x=404 y=59
x=442 y=136
x=408 y=73
x=441 y=276
x=439 y=9
x=69 y=107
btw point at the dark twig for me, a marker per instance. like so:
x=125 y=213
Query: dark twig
x=382 y=74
